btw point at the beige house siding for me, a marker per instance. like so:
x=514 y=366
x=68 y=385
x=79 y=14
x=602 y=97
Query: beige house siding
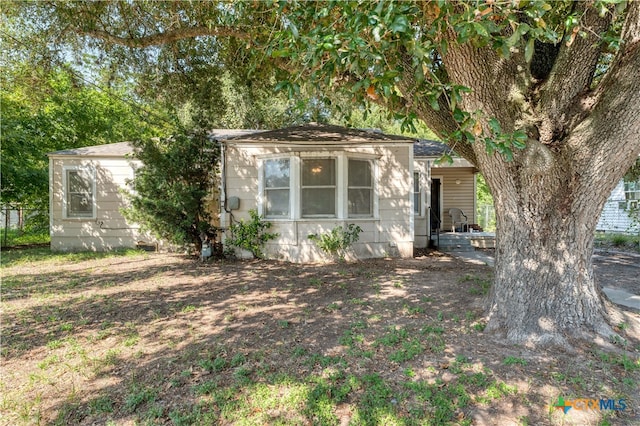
x=389 y=232
x=457 y=191
x=108 y=229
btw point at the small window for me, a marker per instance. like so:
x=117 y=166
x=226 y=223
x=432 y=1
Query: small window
x=277 y=178
x=318 y=187
x=79 y=193
x=417 y=195
x=632 y=190
x=360 y=190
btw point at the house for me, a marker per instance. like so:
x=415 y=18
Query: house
x=303 y=179
x=85 y=199
x=621 y=211
x=310 y=179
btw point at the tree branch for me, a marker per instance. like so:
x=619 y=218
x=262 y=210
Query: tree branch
x=440 y=121
x=165 y=37
x=571 y=75
x=631 y=30
x=608 y=139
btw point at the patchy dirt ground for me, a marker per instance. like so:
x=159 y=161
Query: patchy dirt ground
x=163 y=339
x=618 y=270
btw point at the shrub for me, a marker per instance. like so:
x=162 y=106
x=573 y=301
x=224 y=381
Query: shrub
x=337 y=241
x=251 y=235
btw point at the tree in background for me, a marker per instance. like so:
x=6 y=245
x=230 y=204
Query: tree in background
x=169 y=189
x=540 y=96
x=49 y=110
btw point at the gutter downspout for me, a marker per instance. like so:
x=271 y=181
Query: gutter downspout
x=223 y=185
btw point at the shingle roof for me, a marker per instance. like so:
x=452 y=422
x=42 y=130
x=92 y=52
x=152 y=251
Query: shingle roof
x=429 y=148
x=314 y=133
x=308 y=134
x=119 y=149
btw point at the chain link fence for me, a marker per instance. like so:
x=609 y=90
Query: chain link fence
x=21 y=226
x=486 y=216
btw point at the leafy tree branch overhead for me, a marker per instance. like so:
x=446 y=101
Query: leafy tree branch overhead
x=541 y=96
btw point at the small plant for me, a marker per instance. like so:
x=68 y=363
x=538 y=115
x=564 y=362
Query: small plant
x=337 y=241
x=514 y=360
x=251 y=235
x=138 y=396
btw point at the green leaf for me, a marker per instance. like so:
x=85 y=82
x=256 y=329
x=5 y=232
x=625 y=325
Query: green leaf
x=480 y=29
x=528 y=50
x=495 y=126
x=399 y=24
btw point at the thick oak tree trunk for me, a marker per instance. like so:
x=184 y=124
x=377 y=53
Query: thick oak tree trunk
x=544 y=288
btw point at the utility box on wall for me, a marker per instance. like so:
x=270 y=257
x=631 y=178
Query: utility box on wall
x=233 y=203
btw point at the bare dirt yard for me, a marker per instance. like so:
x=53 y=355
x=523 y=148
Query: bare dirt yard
x=164 y=339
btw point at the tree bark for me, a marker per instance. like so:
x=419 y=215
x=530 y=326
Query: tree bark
x=544 y=285
x=549 y=198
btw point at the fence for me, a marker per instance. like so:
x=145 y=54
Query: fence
x=22 y=226
x=617 y=216
x=486 y=216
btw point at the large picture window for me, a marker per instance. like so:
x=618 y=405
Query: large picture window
x=318 y=187
x=79 y=193
x=360 y=188
x=277 y=181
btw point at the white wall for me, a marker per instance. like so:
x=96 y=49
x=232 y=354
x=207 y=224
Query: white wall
x=389 y=232
x=108 y=229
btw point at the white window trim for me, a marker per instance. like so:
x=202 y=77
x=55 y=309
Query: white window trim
x=421 y=191
x=337 y=187
x=372 y=165
x=341 y=188
x=262 y=189
x=65 y=196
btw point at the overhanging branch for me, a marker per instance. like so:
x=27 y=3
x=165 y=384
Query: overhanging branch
x=165 y=37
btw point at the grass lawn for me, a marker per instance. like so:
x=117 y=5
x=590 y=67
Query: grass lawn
x=137 y=338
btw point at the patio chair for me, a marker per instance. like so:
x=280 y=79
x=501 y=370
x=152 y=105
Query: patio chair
x=458 y=218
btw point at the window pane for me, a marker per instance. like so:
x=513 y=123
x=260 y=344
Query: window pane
x=318 y=172
x=79 y=194
x=318 y=201
x=360 y=201
x=417 y=196
x=359 y=173
x=80 y=205
x=276 y=173
x=78 y=182
x=277 y=203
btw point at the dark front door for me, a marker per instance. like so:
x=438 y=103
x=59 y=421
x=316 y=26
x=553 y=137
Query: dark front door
x=436 y=220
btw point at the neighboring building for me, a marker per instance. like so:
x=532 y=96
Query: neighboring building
x=304 y=179
x=621 y=208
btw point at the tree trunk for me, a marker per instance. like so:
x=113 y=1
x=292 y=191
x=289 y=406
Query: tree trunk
x=544 y=288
